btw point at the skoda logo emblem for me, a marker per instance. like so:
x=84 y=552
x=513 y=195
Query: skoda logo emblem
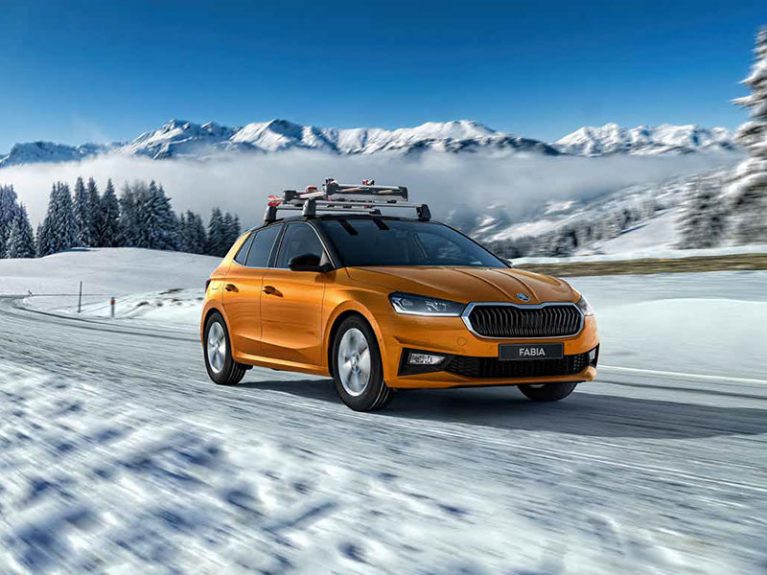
x=523 y=297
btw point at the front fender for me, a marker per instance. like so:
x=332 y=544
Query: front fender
x=363 y=302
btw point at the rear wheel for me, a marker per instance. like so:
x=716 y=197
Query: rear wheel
x=357 y=369
x=547 y=391
x=221 y=367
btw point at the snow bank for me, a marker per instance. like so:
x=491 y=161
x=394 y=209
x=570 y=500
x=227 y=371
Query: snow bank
x=624 y=248
x=105 y=272
x=699 y=323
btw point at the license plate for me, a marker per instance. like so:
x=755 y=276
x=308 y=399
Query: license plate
x=525 y=352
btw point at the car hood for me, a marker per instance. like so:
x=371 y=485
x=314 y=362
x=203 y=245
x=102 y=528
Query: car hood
x=466 y=284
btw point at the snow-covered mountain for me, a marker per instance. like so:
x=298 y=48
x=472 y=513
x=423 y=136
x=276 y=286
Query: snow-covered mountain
x=179 y=138
x=34 y=152
x=644 y=140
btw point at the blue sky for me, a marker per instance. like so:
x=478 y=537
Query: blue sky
x=80 y=71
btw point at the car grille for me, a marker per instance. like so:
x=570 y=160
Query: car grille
x=491 y=367
x=519 y=321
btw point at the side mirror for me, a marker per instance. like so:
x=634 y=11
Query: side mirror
x=308 y=263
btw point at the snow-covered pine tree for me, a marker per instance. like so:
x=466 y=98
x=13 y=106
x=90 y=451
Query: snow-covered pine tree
x=94 y=205
x=21 y=241
x=41 y=241
x=231 y=229
x=217 y=236
x=64 y=225
x=9 y=211
x=195 y=238
x=129 y=230
x=703 y=222
x=235 y=230
x=47 y=239
x=749 y=190
x=108 y=219
x=162 y=231
x=82 y=210
x=183 y=233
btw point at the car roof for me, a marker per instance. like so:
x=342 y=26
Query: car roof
x=355 y=216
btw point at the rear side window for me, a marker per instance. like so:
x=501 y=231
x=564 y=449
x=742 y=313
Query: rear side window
x=299 y=240
x=261 y=247
x=242 y=254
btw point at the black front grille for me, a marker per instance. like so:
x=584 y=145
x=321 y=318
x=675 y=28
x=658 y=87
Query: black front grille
x=491 y=367
x=513 y=321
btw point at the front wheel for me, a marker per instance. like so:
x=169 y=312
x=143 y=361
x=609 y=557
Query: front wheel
x=219 y=362
x=547 y=391
x=357 y=369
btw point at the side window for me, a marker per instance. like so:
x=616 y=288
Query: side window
x=299 y=239
x=242 y=254
x=261 y=248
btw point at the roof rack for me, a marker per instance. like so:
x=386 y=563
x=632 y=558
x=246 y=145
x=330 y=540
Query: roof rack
x=365 y=198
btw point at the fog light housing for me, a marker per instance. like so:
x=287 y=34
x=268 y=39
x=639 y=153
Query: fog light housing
x=422 y=358
x=594 y=356
x=415 y=361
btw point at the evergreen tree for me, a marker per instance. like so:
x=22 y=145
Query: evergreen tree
x=161 y=225
x=107 y=219
x=703 y=222
x=65 y=224
x=21 y=241
x=58 y=230
x=193 y=233
x=94 y=207
x=129 y=231
x=750 y=187
x=183 y=231
x=217 y=235
x=83 y=214
x=9 y=211
x=235 y=230
x=41 y=241
x=231 y=226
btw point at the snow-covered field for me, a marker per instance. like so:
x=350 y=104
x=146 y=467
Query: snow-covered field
x=118 y=455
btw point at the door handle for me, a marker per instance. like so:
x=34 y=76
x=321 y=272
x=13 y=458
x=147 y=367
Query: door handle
x=231 y=287
x=271 y=290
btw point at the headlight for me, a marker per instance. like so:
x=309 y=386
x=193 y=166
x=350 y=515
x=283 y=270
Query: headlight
x=419 y=305
x=585 y=306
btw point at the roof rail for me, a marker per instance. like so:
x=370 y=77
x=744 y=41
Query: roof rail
x=365 y=198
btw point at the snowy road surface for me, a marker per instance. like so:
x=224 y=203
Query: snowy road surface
x=117 y=454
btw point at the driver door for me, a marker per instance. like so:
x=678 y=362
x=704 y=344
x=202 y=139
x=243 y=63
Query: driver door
x=291 y=302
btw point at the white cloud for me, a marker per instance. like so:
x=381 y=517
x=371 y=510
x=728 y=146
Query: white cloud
x=451 y=184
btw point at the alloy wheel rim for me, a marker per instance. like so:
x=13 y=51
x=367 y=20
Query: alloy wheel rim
x=216 y=347
x=354 y=362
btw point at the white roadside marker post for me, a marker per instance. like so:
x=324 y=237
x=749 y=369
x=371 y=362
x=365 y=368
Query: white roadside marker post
x=112 y=307
x=80 y=299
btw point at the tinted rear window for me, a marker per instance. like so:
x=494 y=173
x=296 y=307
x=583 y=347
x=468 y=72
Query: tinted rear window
x=242 y=253
x=262 y=245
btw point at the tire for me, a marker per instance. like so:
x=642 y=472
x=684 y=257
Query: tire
x=357 y=368
x=224 y=370
x=548 y=391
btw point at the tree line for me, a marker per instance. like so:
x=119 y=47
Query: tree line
x=142 y=217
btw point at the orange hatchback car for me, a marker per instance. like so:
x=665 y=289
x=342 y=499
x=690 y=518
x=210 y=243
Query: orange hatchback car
x=380 y=303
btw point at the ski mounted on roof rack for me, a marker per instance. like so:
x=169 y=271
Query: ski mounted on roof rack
x=365 y=198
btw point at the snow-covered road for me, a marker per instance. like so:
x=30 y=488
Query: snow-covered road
x=117 y=454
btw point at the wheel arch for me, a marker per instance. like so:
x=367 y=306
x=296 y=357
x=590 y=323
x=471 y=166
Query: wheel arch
x=335 y=323
x=206 y=316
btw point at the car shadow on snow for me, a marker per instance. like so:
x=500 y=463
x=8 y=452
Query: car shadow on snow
x=589 y=414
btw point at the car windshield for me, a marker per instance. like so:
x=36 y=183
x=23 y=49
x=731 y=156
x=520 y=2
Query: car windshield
x=392 y=242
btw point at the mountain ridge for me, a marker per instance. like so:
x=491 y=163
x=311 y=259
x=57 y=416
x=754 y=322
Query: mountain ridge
x=184 y=139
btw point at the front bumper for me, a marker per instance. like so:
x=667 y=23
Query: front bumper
x=473 y=361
